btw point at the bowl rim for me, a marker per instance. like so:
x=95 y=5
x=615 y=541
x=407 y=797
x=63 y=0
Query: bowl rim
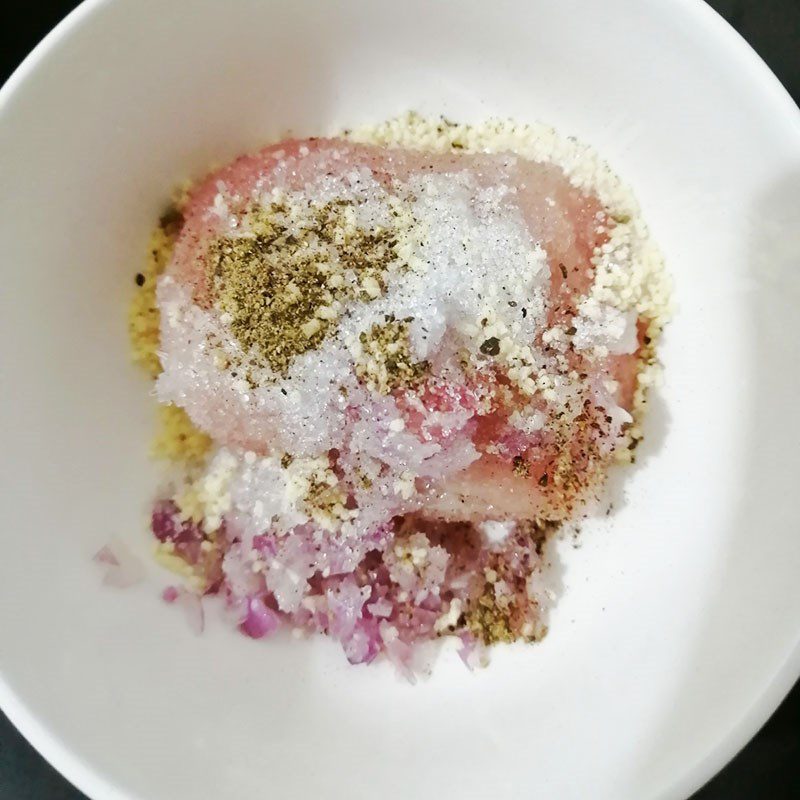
x=730 y=742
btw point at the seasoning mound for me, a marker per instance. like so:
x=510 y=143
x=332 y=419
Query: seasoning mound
x=392 y=364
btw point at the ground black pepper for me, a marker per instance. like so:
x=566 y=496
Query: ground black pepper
x=491 y=347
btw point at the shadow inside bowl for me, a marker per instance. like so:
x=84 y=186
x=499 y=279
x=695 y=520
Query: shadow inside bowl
x=758 y=553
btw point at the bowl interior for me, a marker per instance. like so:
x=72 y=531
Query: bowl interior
x=677 y=630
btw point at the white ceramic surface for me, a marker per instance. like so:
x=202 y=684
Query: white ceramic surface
x=678 y=630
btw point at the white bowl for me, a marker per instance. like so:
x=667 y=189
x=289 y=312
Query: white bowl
x=677 y=632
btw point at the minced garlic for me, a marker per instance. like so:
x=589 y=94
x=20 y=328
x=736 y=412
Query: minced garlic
x=177 y=438
x=384 y=360
x=143 y=315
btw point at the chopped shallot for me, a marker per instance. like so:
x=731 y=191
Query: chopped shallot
x=123 y=569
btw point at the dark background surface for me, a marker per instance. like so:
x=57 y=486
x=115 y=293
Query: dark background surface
x=769 y=767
